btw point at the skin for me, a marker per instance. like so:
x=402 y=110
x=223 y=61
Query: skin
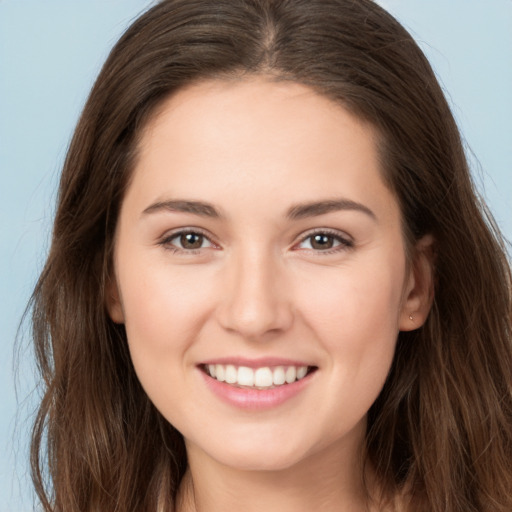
x=258 y=287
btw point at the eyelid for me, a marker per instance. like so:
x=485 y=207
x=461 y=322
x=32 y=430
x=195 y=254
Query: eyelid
x=169 y=236
x=346 y=241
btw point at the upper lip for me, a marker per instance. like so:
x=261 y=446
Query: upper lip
x=255 y=363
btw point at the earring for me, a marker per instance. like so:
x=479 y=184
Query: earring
x=411 y=318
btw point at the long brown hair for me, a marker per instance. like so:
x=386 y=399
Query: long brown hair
x=441 y=430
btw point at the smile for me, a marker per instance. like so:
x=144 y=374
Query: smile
x=265 y=377
x=256 y=385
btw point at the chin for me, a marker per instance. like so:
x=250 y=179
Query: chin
x=251 y=455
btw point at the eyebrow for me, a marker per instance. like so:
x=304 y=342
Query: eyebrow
x=299 y=211
x=196 y=207
x=317 y=208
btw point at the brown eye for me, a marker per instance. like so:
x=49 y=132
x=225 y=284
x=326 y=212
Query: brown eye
x=191 y=240
x=186 y=242
x=322 y=242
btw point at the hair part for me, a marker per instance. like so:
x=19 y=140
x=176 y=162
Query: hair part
x=441 y=430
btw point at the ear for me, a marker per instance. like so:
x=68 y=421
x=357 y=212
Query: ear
x=419 y=290
x=113 y=301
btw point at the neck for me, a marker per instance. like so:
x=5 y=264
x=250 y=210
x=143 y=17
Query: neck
x=330 y=481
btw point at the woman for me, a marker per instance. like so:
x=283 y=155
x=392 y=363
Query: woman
x=271 y=283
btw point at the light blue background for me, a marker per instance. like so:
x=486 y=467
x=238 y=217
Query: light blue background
x=50 y=52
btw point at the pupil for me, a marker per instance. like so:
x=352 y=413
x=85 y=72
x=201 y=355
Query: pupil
x=191 y=240
x=322 y=242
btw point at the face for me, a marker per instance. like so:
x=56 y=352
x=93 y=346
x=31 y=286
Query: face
x=260 y=272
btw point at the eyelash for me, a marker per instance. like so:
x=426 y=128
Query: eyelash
x=166 y=242
x=344 y=243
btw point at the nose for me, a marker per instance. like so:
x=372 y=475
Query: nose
x=254 y=302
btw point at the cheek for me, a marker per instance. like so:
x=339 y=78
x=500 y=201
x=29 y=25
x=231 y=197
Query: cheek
x=356 y=322
x=355 y=313
x=163 y=312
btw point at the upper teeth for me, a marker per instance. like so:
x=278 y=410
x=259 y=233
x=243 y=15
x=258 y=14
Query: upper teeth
x=264 y=377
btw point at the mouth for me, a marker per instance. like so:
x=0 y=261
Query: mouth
x=261 y=378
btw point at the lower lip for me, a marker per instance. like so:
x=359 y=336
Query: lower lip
x=255 y=399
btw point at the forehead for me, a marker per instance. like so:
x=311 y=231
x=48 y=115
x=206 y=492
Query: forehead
x=247 y=104
x=256 y=137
